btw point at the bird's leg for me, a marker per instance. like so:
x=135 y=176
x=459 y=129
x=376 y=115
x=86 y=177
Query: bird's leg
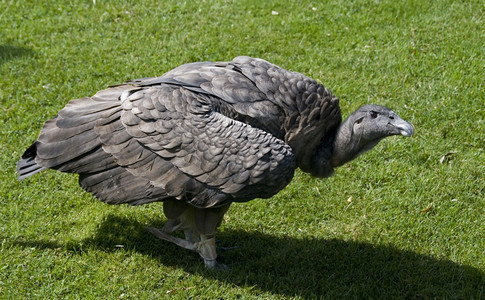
x=180 y=222
x=191 y=236
x=171 y=225
x=198 y=226
x=207 y=250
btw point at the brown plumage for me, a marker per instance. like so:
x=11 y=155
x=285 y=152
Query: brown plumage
x=202 y=136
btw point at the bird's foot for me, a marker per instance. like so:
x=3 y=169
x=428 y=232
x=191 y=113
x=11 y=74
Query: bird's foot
x=167 y=237
x=206 y=247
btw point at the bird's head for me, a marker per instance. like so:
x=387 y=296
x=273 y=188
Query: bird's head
x=366 y=127
x=372 y=122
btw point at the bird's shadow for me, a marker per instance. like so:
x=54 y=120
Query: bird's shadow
x=8 y=52
x=299 y=267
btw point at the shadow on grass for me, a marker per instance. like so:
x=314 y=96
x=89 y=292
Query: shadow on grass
x=8 y=52
x=301 y=267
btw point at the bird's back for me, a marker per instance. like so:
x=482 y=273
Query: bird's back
x=260 y=94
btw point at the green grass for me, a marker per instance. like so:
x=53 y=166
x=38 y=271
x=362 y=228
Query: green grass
x=395 y=223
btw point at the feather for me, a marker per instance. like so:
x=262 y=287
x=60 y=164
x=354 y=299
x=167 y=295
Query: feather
x=117 y=186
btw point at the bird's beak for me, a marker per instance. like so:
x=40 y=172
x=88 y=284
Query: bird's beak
x=402 y=127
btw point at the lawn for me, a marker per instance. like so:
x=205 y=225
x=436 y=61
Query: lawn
x=406 y=220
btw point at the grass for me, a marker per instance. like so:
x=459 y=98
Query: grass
x=399 y=222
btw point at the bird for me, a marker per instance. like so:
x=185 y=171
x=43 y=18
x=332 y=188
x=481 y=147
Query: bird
x=203 y=136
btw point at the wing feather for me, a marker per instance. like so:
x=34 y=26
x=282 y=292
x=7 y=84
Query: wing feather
x=193 y=152
x=117 y=186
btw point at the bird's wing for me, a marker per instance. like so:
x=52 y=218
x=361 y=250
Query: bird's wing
x=289 y=105
x=236 y=95
x=173 y=137
x=68 y=143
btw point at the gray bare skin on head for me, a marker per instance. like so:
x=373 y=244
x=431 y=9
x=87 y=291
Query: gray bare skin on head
x=202 y=136
x=363 y=129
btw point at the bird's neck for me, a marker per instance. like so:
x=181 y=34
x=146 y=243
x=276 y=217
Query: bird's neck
x=336 y=150
x=345 y=145
x=348 y=145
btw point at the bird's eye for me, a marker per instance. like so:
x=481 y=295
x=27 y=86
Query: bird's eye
x=373 y=114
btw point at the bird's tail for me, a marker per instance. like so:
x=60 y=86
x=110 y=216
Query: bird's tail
x=27 y=165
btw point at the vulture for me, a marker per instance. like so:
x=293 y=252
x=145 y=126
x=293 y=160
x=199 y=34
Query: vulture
x=203 y=136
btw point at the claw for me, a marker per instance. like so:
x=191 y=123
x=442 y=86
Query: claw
x=215 y=265
x=222 y=249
